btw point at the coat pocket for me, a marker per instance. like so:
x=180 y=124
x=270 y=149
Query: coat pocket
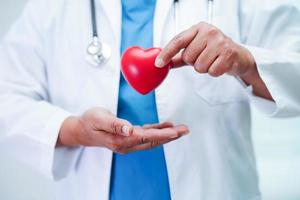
x=218 y=90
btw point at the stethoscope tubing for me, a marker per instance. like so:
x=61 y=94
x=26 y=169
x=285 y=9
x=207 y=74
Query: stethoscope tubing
x=94 y=18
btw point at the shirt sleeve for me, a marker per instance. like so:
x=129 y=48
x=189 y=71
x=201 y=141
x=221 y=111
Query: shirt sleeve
x=29 y=123
x=270 y=31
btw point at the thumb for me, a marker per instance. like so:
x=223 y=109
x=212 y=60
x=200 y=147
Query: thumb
x=118 y=126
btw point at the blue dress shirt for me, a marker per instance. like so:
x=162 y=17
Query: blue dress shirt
x=140 y=175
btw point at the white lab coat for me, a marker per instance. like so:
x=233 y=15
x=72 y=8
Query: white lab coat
x=45 y=76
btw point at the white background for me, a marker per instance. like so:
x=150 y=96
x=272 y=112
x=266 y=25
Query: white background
x=277 y=145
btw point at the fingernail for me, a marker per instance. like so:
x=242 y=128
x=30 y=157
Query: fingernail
x=159 y=62
x=126 y=130
x=186 y=132
x=173 y=136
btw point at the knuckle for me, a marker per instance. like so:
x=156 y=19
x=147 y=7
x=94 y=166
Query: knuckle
x=200 y=25
x=203 y=23
x=223 y=44
x=213 y=72
x=122 y=152
x=234 y=52
x=224 y=67
x=178 y=40
x=110 y=143
x=234 y=67
x=197 y=66
x=228 y=48
x=198 y=63
x=195 y=26
x=144 y=140
x=235 y=64
x=200 y=69
x=117 y=149
x=187 y=57
x=116 y=146
x=153 y=144
x=212 y=32
x=229 y=53
x=200 y=66
x=114 y=126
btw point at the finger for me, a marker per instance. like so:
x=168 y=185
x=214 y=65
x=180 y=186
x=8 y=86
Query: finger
x=163 y=134
x=147 y=146
x=158 y=134
x=143 y=136
x=177 y=61
x=174 y=46
x=159 y=126
x=219 y=67
x=206 y=58
x=117 y=126
x=194 y=49
x=182 y=130
x=140 y=137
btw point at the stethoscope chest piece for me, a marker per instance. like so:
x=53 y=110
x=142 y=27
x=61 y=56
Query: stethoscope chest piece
x=95 y=47
x=99 y=51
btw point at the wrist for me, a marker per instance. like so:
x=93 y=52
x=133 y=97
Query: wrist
x=251 y=76
x=69 y=132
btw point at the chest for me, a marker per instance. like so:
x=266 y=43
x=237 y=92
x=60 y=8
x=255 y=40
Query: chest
x=76 y=85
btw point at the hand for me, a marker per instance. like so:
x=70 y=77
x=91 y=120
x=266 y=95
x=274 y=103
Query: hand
x=208 y=50
x=99 y=127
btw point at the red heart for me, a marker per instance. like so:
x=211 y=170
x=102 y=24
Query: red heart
x=139 y=70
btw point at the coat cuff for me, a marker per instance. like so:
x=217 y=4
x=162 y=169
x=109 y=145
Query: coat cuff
x=269 y=65
x=57 y=162
x=265 y=106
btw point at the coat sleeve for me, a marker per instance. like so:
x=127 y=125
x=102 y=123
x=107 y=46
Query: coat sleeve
x=29 y=123
x=271 y=31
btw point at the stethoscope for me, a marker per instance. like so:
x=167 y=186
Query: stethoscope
x=100 y=52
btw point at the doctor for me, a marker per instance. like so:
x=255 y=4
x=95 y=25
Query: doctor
x=64 y=113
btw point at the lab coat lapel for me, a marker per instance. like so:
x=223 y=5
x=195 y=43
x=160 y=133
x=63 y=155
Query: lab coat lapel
x=112 y=11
